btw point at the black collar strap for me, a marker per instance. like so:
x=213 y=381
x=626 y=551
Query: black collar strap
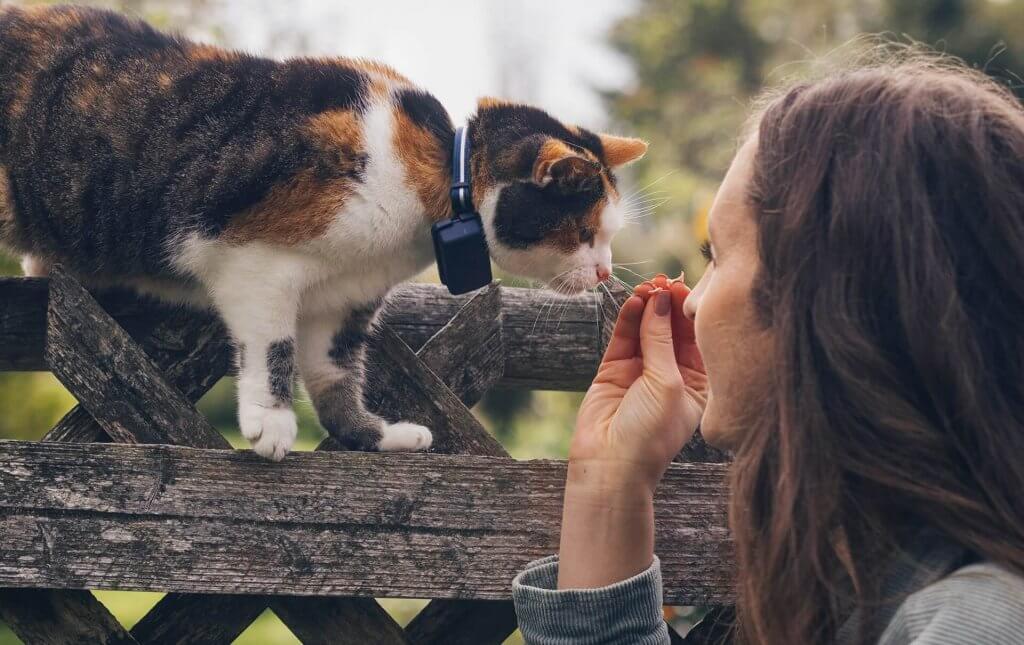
x=462 y=190
x=460 y=245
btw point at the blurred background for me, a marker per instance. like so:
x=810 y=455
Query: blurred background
x=679 y=73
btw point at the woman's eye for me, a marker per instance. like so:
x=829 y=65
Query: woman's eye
x=586 y=235
x=705 y=250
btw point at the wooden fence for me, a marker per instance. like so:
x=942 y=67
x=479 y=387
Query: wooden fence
x=134 y=489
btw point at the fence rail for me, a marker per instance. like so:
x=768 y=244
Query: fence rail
x=317 y=537
x=166 y=518
x=552 y=343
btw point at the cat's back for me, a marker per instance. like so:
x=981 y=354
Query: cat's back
x=115 y=136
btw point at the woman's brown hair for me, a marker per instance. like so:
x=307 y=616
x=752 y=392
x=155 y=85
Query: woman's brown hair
x=890 y=208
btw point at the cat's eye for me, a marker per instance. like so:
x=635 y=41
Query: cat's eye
x=586 y=236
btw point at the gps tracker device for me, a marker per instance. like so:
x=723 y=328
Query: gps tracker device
x=463 y=261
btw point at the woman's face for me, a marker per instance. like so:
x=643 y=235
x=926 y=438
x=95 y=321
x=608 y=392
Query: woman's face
x=734 y=345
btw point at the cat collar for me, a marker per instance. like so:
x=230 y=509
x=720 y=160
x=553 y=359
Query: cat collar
x=463 y=262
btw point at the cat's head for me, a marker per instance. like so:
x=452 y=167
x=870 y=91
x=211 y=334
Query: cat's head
x=547 y=193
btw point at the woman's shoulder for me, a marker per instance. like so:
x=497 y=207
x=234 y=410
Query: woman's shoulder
x=978 y=603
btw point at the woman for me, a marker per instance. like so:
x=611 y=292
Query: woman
x=862 y=325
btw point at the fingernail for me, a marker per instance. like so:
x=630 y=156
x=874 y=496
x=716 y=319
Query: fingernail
x=662 y=303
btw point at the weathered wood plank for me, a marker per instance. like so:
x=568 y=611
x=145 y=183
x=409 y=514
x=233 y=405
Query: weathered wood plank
x=338 y=621
x=43 y=616
x=198 y=618
x=192 y=350
x=463 y=622
x=423 y=526
x=104 y=368
x=553 y=342
x=468 y=353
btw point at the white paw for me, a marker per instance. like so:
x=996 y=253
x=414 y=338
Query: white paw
x=271 y=431
x=404 y=437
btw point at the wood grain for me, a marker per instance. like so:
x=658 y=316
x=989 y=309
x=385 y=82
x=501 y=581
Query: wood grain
x=60 y=618
x=112 y=378
x=166 y=518
x=553 y=342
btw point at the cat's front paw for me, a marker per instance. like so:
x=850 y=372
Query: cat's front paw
x=271 y=431
x=404 y=437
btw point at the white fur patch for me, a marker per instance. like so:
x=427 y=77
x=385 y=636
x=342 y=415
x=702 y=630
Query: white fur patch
x=405 y=437
x=270 y=430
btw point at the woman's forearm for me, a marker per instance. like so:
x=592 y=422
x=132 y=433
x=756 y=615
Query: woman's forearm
x=607 y=526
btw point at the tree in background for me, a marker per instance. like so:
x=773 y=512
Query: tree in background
x=699 y=63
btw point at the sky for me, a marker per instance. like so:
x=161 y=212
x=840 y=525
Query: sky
x=551 y=53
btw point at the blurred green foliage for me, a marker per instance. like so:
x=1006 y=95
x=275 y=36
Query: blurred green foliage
x=697 y=64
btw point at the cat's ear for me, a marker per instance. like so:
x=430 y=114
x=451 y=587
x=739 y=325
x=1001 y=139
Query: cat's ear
x=559 y=164
x=619 y=151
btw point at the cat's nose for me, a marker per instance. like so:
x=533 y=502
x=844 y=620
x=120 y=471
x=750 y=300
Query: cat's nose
x=603 y=273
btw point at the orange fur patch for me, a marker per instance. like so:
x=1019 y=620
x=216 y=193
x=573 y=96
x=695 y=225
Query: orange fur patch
x=295 y=212
x=304 y=208
x=551 y=151
x=380 y=69
x=425 y=164
x=201 y=53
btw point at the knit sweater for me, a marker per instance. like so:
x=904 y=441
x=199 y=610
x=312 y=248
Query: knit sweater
x=938 y=602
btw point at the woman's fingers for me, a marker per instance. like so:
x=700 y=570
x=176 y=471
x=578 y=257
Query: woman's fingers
x=682 y=327
x=656 y=338
x=625 y=340
x=643 y=290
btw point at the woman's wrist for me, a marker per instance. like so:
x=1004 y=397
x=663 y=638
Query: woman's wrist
x=607 y=525
x=612 y=476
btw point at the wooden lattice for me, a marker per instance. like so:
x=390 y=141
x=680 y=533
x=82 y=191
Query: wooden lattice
x=321 y=535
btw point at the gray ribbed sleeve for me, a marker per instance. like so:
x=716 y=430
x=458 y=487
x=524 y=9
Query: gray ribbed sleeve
x=625 y=612
x=980 y=604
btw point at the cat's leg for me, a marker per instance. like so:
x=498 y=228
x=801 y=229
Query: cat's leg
x=332 y=354
x=260 y=310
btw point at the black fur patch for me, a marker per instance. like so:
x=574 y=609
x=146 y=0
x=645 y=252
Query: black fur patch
x=526 y=214
x=427 y=112
x=281 y=369
x=351 y=338
x=342 y=412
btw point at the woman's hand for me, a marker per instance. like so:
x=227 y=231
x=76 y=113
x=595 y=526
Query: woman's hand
x=649 y=392
x=643 y=406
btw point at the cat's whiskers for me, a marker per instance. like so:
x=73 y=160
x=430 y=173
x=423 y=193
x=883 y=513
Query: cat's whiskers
x=556 y=291
x=649 y=185
x=641 y=199
x=628 y=270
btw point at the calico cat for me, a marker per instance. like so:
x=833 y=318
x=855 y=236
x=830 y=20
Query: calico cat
x=289 y=196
